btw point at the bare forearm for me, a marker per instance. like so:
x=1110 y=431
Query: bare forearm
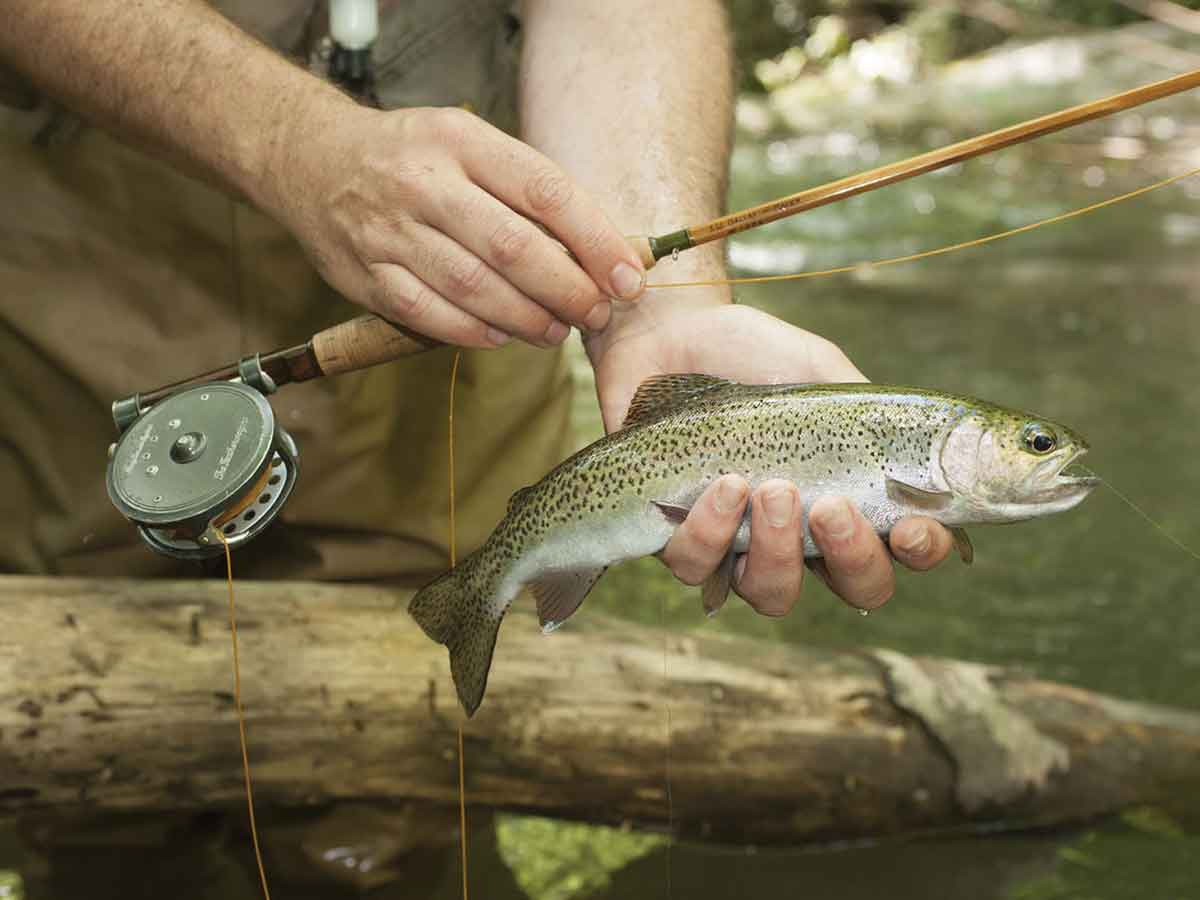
x=634 y=99
x=172 y=76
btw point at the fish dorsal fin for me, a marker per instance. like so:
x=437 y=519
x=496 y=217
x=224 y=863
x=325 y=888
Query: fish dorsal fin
x=518 y=496
x=663 y=394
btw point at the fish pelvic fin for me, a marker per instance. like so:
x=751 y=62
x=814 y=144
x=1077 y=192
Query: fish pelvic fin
x=458 y=609
x=559 y=594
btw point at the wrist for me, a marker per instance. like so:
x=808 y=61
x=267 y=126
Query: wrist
x=298 y=147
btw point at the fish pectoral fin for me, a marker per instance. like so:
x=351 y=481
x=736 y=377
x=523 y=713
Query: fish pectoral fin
x=962 y=543
x=921 y=499
x=716 y=586
x=559 y=594
x=674 y=513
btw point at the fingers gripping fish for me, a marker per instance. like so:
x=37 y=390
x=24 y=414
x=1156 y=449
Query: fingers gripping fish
x=894 y=451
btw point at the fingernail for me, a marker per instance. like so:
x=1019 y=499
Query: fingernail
x=598 y=317
x=557 y=333
x=498 y=337
x=918 y=544
x=779 y=504
x=837 y=521
x=626 y=281
x=730 y=493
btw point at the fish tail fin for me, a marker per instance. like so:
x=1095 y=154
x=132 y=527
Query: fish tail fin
x=458 y=609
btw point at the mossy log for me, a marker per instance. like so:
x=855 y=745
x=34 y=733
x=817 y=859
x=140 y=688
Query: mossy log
x=116 y=695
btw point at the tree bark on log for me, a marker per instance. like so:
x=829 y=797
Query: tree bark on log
x=116 y=695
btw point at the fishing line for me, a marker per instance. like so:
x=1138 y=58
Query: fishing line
x=1146 y=516
x=241 y=715
x=462 y=789
x=913 y=257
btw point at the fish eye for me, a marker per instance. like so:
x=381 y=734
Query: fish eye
x=1040 y=439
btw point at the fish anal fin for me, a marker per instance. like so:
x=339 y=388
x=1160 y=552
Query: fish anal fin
x=918 y=498
x=962 y=543
x=559 y=594
x=660 y=395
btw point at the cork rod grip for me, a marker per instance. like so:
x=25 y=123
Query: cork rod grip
x=363 y=342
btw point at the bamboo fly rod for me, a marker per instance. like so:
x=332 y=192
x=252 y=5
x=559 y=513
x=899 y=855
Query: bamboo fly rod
x=369 y=340
x=891 y=173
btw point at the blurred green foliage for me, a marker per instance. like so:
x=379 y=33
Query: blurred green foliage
x=1096 y=13
x=946 y=30
x=11 y=886
x=554 y=860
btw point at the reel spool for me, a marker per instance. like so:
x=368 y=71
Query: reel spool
x=206 y=459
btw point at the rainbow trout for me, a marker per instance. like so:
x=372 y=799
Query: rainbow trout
x=894 y=451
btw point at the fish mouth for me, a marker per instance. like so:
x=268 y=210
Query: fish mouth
x=1081 y=476
x=1068 y=481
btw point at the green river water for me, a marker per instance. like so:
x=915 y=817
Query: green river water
x=1094 y=322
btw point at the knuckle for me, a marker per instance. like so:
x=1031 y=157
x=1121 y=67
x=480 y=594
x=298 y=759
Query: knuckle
x=510 y=242
x=877 y=594
x=466 y=276
x=783 y=549
x=449 y=123
x=856 y=560
x=688 y=572
x=410 y=305
x=548 y=191
x=577 y=301
x=773 y=599
x=709 y=541
x=784 y=556
x=592 y=238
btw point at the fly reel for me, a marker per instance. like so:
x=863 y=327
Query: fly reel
x=206 y=463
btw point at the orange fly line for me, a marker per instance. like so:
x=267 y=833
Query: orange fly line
x=462 y=792
x=241 y=715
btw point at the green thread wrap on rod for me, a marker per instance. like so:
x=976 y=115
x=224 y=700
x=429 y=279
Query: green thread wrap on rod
x=669 y=243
